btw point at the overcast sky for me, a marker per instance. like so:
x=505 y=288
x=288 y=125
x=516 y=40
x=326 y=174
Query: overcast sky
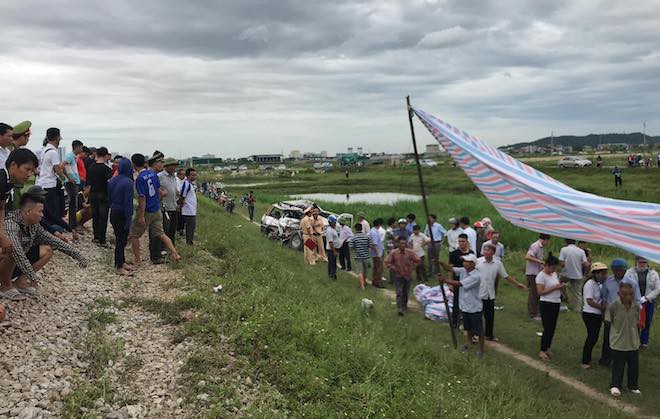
x=241 y=77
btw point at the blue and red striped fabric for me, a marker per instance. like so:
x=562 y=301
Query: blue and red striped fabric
x=535 y=201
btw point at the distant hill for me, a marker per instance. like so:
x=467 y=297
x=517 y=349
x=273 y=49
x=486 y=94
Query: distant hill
x=592 y=140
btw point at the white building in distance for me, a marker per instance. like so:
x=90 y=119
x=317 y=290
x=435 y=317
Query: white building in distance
x=432 y=150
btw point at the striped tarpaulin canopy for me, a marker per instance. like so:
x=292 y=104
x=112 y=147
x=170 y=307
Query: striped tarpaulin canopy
x=535 y=201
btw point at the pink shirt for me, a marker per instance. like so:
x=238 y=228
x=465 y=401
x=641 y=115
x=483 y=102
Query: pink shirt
x=535 y=250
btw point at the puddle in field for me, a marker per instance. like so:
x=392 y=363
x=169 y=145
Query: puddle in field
x=250 y=185
x=382 y=198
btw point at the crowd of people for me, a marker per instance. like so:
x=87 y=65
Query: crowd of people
x=621 y=303
x=641 y=161
x=93 y=184
x=86 y=184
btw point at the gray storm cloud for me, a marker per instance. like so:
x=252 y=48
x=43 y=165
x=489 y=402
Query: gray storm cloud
x=239 y=77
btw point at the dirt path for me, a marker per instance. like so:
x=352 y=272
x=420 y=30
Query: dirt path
x=599 y=396
x=596 y=395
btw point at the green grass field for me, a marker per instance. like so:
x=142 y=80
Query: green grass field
x=324 y=357
x=307 y=314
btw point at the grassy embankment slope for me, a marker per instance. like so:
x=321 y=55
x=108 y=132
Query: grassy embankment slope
x=451 y=193
x=309 y=338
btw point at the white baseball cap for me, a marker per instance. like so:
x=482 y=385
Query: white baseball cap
x=469 y=258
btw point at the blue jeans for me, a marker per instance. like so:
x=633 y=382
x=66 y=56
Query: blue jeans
x=644 y=336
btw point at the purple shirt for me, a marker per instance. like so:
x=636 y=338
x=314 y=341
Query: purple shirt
x=535 y=250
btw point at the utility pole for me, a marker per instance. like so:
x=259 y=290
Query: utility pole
x=644 y=134
x=552 y=142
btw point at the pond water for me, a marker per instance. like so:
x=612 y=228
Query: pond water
x=381 y=198
x=249 y=185
x=244 y=185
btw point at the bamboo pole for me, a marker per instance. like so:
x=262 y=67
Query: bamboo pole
x=434 y=261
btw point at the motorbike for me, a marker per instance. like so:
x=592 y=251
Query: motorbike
x=230 y=205
x=244 y=200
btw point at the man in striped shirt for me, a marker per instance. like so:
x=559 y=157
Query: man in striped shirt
x=32 y=246
x=361 y=244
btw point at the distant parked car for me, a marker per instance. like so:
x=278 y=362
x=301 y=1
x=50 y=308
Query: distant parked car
x=573 y=161
x=428 y=163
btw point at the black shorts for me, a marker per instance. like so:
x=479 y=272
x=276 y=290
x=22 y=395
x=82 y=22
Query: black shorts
x=32 y=255
x=472 y=323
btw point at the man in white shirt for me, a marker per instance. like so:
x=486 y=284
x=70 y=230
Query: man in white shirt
x=180 y=177
x=169 y=182
x=435 y=233
x=469 y=302
x=345 y=234
x=189 y=207
x=491 y=269
x=495 y=241
x=5 y=142
x=573 y=259
x=418 y=241
x=72 y=181
x=365 y=224
x=382 y=232
x=471 y=233
x=452 y=234
x=646 y=287
x=332 y=246
x=377 y=251
x=51 y=168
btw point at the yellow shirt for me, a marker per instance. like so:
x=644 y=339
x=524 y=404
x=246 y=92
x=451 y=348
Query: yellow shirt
x=306 y=225
x=317 y=225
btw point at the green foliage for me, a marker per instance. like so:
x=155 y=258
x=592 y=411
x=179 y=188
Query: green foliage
x=309 y=338
x=81 y=400
x=99 y=349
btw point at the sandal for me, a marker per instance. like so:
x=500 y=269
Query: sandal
x=12 y=294
x=124 y=272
